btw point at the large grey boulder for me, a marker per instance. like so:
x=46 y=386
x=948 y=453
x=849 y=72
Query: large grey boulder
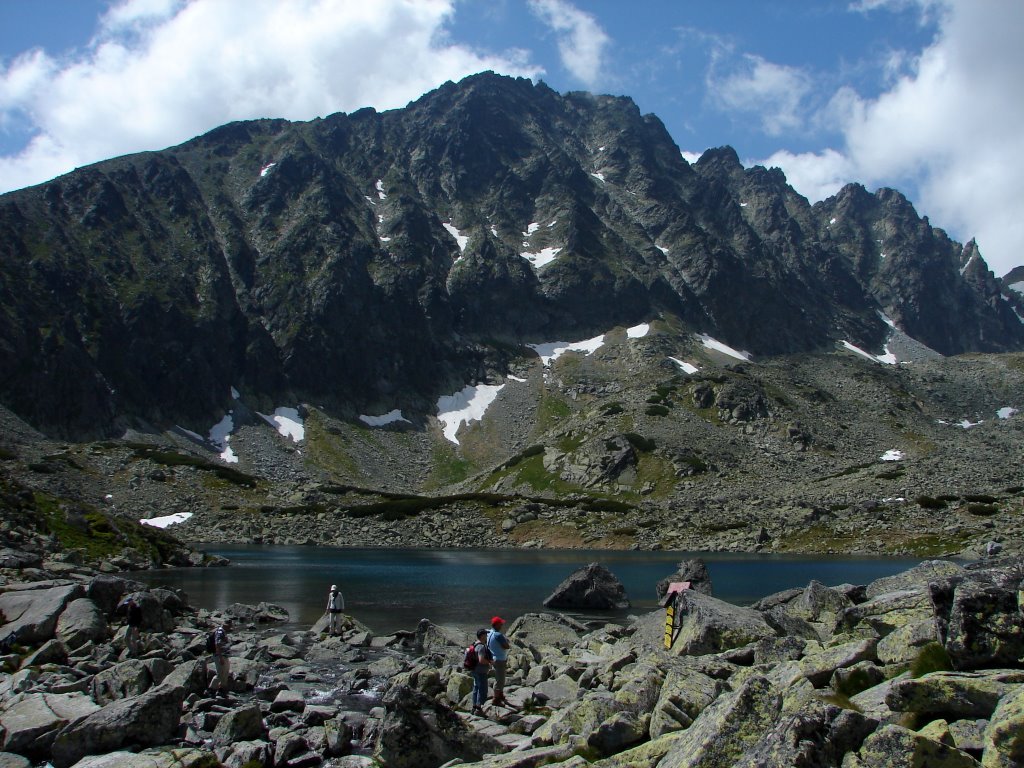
x=127 y=679
x=17 y=558
x=190 y=675
x=546 y=630
x=916 y=578
x=31 y=722
x=81 y=621
x=106 y=591
x=818 y=603
x=145 y=721
x=710 y=625
x=984 y=627
x=419 y=732
x=33 y=613
x=185 y=757
x=592 y=587
x=261 y=613
x=240 y=724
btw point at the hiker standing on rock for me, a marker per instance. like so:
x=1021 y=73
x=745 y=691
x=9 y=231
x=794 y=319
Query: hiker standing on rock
x=482 y=667
x=221 y=645
x=498 y=645
x=335 y=608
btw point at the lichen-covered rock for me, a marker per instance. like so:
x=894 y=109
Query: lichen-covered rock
x=818 y=603
x=887 y=612
x=684 y=695
x=710 y=625
x=903 y=644
x=893 y=746
x=984 y=628
x=621 y=730
x=817 y=735
x=819 y=667
x=953 y=695
x=1004 y=737
x=734 y=724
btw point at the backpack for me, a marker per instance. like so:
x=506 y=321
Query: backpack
x=211 y=642
x=470 y=659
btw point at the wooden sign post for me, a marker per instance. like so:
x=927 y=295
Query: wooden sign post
x=673 y=608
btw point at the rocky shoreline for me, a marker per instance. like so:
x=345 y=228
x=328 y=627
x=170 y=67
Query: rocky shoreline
x=921 y=668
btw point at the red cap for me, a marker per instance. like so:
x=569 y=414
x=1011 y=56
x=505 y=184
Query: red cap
x=497 y=620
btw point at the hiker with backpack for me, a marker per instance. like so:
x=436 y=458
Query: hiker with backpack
x=133 y=619
x=477 y=661
x=218 y=643
x=498 y=645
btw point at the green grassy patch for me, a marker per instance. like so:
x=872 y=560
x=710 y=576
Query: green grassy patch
x=928 y=502
x=982 y=510
x=931 y=658
x=656 y=410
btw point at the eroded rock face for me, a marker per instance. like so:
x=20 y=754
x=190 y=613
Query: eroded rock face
x=593 y=587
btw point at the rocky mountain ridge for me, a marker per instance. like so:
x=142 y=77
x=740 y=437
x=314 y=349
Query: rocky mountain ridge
x=374 y=261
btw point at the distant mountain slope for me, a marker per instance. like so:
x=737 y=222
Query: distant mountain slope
x=371 y=261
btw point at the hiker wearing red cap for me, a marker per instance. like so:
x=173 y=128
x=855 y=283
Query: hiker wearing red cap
x=497 y=643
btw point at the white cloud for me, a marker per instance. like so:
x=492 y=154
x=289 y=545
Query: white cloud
x=162 y=71
x=582 y=49
x=949 y=127
x=771 y=91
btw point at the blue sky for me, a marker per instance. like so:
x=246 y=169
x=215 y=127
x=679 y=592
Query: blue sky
x=923 y=95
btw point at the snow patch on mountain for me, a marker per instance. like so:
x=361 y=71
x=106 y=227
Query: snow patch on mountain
x=287 y=422
x=687 y=367
x=725 y=349
x=388 y=418
x=460 y=238
x=465 y=406
x=166 y=520
x=542 y=258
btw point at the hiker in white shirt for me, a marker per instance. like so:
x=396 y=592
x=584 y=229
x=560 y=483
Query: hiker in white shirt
x=335 y=609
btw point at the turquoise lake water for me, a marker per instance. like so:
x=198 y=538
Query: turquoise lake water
x=391 y=589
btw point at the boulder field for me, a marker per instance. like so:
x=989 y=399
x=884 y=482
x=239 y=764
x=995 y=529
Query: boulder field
x=921 y=668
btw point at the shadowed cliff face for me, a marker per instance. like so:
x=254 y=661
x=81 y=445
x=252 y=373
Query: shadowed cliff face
x=367 y=260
